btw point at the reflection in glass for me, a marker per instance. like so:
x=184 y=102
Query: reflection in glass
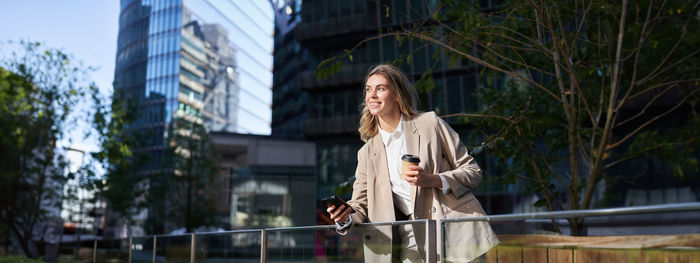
x=173 y=249
x=210 y=69
x=314 y=245
x=116 y=250
x=365 y=243
x=466 y=239
x=142 y=249
x=228 y=247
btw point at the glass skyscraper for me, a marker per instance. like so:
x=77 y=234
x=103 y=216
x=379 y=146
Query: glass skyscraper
x=204 y=61
x=207 y=62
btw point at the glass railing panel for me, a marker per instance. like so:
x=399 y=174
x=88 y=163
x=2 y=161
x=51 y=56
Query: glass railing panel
x=405 y=240
x=300 y=245
x=114 y=250
x=237 y=246
x=470 y=240
x=578 y=235
x=363 y=243
x=142 y=250
x=84 y=250
x=173 y=249
x=657 y=223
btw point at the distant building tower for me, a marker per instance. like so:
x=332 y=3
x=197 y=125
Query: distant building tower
x=326 y=110
x=290 y=104
x=195 y=61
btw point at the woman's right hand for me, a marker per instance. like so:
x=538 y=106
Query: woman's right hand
x=340 y=215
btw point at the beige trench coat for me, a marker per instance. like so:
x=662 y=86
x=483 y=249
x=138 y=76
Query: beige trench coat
x=440 y=152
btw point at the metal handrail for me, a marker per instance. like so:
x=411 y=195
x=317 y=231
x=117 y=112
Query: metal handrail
x=298 y=228
x=430 y=225
x=239 y=231
x=321 y=227
x=681 y=207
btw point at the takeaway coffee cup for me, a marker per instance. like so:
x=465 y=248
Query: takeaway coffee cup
x=406 y=161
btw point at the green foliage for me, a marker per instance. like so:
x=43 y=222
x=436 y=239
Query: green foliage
x=344 y=188
x=560 y=106
x=19 y=259
x=38 y=90
x=185 y=191
x=122 y=185
x=327 y=68
x=547 y=71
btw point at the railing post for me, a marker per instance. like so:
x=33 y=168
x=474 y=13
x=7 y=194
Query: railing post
x=430 y=241
x=131 y=246
x=443 y=251
x=154 y=249
x=192 y=245
x=94 y=251
x=263 y=246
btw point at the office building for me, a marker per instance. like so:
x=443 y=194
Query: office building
x=202 y=62
x=290 y=103
x=328 y=109
x=269 y=181
x=330 y=27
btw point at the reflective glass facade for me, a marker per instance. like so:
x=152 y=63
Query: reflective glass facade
x=326 y=111
x=204 y=61
x=290 y=103
x=246 y=27
x=328 y=28
x=207 y=62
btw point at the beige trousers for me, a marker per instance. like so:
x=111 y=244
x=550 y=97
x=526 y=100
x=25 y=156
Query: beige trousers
x=406 y=250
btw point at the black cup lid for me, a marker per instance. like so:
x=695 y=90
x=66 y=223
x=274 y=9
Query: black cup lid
x=410 y=158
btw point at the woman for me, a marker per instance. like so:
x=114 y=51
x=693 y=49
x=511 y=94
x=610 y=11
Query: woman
x=439 y=187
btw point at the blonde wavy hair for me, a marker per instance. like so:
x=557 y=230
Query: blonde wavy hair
x=400 y=86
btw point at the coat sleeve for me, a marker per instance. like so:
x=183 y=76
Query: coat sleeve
x=359 y=192
x=466 y=174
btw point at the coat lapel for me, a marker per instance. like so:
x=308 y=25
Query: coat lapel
x=378 y=156
x=412 y=141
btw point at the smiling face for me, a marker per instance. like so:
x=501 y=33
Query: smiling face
x=379 y=98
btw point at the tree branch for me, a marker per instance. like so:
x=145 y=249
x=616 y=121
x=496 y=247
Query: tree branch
x=583 y=18
x=646 y=150
x=643 y=110
x=478 y=115
x=629 y=135
x=636 y=55
x=607 y=129
x=660 y=85
x=486 y=64
x=675 y=46
x=521 y=64
x=691 y=55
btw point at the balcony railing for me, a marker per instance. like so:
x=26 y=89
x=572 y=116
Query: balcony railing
x=524 y=238
x=332 y=26
x=331 y=125
x=347 y=75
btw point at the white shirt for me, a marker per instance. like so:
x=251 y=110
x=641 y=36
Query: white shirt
x=395 y=147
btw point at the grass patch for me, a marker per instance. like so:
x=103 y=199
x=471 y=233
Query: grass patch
x=19 y=259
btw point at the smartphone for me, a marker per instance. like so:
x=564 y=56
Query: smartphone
x=334 y=200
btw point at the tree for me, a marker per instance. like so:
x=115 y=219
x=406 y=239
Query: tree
x=122 y=186
x=185 y=189
x=571 y=89
x=38 y=88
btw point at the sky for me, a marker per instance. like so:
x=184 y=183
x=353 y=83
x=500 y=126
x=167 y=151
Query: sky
x=85 y=28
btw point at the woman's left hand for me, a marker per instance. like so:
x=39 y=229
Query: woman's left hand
x=416 y=177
